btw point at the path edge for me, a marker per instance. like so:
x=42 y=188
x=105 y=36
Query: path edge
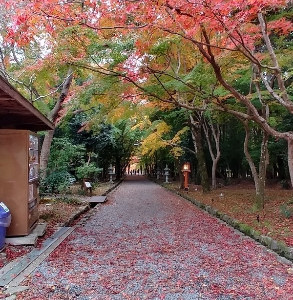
x=84 y=209
x=276 y=246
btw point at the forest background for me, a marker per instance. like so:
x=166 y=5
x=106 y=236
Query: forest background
x=209 y=82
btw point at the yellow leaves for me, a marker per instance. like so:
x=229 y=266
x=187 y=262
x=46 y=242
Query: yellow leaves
x=119 y=111
x=155 y=140
x=176 y=150
x=116 y=114
x=143 y=123
x=231 y=62
x=177 y=138
x=222 y=99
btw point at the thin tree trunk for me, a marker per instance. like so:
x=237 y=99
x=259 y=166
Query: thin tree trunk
x=249 y=158
x=202 y=168
x=215 y=156
x=259 y=177
x=260 y=200
x=45 y=152
x=290 y=159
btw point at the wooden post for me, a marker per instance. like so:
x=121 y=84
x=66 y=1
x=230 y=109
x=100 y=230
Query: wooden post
x=88 y=187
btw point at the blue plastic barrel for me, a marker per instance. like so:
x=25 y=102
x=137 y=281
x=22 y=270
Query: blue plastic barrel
x=5 y=219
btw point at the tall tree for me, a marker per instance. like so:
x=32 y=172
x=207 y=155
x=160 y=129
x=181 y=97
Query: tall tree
x=196 y=121
x=216 y=30
x=53 y=116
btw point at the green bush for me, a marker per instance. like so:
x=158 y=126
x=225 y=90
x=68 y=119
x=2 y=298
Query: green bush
x=65 y=156
x=87 y=171
x=56 y=182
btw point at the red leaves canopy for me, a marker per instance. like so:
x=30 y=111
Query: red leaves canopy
x=225 y=18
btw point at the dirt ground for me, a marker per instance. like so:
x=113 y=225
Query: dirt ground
x=238 y=201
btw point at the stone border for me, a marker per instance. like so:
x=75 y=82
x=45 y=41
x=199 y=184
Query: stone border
x=76 y=215
x=279 y=247
x=113 y=187
x=87 y=207
x=11 y=294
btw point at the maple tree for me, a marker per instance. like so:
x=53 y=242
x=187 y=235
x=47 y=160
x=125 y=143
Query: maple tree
x=45 y=82
x=160 y=135
x=216 y=32
x=215 y=38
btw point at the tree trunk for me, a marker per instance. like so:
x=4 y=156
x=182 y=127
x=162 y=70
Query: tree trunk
x=214 y=171
x=249 y=158
x=260 y=196
x=259 y=177
x=290 y=159
x=118 y=168
x=45 y=152
x=53 y=115
x=202 y=168
x=216 y=139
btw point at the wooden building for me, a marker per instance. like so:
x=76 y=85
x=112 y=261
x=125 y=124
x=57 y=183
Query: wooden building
x=19 y=158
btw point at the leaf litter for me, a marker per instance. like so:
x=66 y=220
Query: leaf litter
x=147 y=243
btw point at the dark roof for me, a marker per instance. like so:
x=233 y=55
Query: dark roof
x=16 y=112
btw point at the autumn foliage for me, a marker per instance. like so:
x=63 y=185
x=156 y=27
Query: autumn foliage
x=222 y=35
x=233 y=23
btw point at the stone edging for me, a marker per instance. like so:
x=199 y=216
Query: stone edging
x=87 y=207
x=279 y=247
x=81 y=211
x=113 y=187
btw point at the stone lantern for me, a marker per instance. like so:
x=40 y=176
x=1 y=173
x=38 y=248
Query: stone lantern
x=167 y=173
x=111 y=173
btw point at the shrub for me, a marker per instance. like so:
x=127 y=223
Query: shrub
x=56 y=182
x=87 y=171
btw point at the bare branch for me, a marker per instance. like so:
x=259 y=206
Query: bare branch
x=281 y=84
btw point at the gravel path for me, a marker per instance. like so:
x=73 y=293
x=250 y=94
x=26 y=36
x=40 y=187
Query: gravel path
x=147 y=243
